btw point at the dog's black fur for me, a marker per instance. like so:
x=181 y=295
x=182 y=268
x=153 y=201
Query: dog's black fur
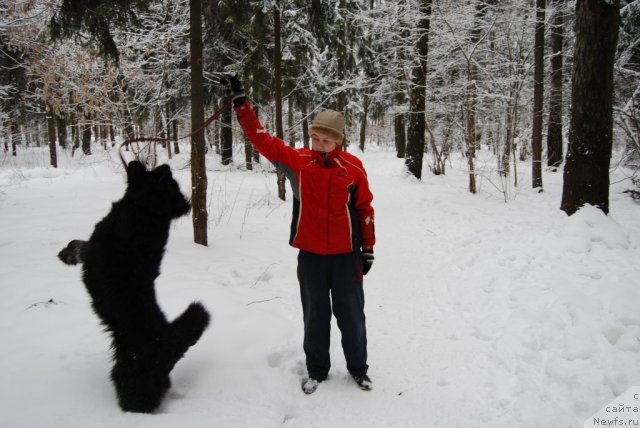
x=121 y=261
x=74 y=252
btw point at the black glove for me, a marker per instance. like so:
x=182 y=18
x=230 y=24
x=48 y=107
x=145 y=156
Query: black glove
x=367 y=260
x=234 y=86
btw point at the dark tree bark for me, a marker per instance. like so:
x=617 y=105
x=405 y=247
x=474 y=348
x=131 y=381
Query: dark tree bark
x=51 y=132
x=277 y=78
x=417 y=97
x=586 y=171
x=112 y=135
x=226 y=137
x=198 y=163
x=363 y=122
x=14 y=134
x=75 y=134
x=256 y=154
x=248 y=154
x=86 y=137
x=400 y=135
x=7 y=125
x=61 y=126
x=538 y=97
x=554 y=127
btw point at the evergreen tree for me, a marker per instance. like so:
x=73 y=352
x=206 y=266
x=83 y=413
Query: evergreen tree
x=586 y=172
x=554 y=126
x=538 y=97
x=417 y=98
x=95 y=18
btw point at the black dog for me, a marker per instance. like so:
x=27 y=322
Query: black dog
x=121 y=261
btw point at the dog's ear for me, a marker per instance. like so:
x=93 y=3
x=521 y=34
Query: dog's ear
x=163 y=171
x=135 y=171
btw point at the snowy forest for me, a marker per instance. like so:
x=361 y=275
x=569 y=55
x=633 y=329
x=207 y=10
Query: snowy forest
x=429 y=77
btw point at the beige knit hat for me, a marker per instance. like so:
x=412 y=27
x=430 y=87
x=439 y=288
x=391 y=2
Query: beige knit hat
x=330 y=122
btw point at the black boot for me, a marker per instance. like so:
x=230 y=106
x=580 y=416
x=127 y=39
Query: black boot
x=364 y=383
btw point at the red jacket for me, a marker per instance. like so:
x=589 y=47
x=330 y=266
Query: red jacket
x=332 y=210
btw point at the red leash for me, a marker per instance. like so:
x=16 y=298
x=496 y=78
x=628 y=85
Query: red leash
x=167 y=140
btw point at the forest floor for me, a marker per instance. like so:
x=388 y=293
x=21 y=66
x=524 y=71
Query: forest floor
x=480 y=312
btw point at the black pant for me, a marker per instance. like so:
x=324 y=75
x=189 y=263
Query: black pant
x=332 y=282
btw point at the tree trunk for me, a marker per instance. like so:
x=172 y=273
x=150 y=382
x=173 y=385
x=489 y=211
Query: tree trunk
x=86 y=137
x=28 y=135
x=61 y=126
x=438 y=162
x=471 y=94
x=586 y=171
x=399 y=120
x=292 y=129
x=14 y=134
x=248 y=154
x=174 y=128
x=112 y=135
x=256 y=154
x=198 y=161
x=538 y=97
x=51 y=131
x=277 y=77
x=167 y=129
x=400 y=135
x=363 y=122
x=7 y=125
x=341 y=60
x=508 y=140
x=305 y=128
x=470 y=131
x=554 y=127
x=75 y=134
x=226 y=137
x=417 y=98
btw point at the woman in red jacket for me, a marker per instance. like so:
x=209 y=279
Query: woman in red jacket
x=333 y=227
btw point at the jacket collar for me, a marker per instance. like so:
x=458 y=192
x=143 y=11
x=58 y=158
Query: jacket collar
x=326 y=159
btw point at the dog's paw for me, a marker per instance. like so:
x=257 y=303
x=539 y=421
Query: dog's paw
x=73 y=253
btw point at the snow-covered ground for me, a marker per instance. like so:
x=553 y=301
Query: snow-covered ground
x=480 y=313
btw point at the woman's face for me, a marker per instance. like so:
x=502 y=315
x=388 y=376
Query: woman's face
x=323 y=143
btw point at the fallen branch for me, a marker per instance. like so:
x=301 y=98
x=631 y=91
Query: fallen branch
x=263 y=301
x=262 y=274
x=46 y=304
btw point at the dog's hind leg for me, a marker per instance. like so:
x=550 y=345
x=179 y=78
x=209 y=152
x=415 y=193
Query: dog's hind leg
x=139 y=389
x=183 y=332
x=190 y=325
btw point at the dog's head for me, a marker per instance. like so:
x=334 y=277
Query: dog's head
x=156 y=190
